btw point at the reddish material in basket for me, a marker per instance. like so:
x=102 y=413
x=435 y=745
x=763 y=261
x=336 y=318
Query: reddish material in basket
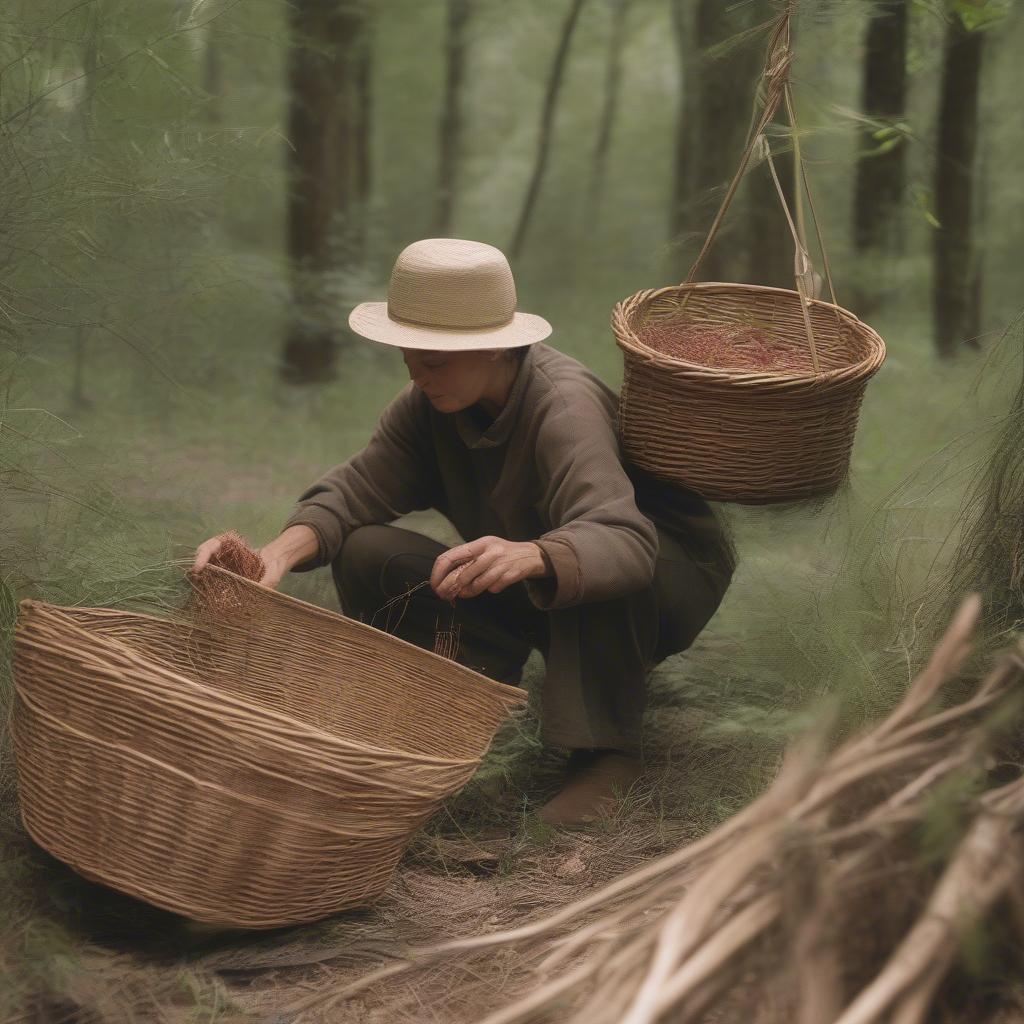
x=703 y=416
x=735 y=347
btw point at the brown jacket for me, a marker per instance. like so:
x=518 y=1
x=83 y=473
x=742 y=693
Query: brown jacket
x=548 y=469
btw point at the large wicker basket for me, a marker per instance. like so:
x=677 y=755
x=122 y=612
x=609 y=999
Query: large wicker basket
x=743 y=436
x=258 y=768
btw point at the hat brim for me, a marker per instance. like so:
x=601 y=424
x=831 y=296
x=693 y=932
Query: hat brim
x=370 y=320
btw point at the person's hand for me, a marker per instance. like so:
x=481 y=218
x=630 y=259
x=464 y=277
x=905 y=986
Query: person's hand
x=276 y=564
x=206 y=551
x=487 y=563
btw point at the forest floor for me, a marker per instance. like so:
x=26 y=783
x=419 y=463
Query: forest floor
x=484 y=864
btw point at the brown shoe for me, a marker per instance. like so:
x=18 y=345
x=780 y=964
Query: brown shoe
x=592 y=791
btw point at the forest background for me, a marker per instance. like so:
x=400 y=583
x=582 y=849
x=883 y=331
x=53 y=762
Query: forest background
x=195 y=194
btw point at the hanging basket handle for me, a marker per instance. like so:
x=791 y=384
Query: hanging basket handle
x=774 y=90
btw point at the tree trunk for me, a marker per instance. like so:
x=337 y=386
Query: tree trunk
x=955 y=281
x=362 y=117
x=547 y=118
x=679 y=210
x=880 y=175
x=613 y=77
x=771 y=248
x=451 y=117
x=721 y=87
x=323 y=169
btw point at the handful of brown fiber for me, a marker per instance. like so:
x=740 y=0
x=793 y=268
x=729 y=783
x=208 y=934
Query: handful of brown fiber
x=726 y=346
x=211 y=591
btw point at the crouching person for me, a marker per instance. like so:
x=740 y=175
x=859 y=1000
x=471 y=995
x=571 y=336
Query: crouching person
x=568 y=549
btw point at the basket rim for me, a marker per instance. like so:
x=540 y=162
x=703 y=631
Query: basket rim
x=57 y=612
x=628 y=341
x=514 y=693
x=254 y=710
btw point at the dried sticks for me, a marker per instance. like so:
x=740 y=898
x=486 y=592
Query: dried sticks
x=817 y=899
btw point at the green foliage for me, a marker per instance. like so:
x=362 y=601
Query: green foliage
x=976 y=15
x=8 y=607
x=946 y=813
x=977 y=948
x=922 y=201
x=972 y=14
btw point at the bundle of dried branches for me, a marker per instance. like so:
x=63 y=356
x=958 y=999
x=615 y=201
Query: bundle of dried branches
x=817 y=900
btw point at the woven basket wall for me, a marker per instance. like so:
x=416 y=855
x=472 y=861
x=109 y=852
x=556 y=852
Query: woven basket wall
x=738 y=435
x=260 y=768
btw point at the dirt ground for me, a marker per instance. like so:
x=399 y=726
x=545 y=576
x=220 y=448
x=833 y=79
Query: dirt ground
x=465 y=875
x=484 y=863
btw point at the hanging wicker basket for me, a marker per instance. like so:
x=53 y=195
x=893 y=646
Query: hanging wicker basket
x=781 y=431
x=735 y=435
x=260 y=768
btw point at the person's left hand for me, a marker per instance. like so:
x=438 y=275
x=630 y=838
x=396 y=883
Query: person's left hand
x=487 y=563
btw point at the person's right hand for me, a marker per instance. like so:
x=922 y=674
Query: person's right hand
x=276 y=564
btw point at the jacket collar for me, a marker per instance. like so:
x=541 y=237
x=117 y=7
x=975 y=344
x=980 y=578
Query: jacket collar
x=469 y=423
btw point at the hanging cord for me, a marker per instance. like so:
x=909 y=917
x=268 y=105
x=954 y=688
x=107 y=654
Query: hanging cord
x=446 y=640
x=774 y=90
x=388 y=605
x=810 y=198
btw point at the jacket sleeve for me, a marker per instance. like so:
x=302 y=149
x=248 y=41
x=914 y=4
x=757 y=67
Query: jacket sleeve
x=388 y=478
x=600 y=545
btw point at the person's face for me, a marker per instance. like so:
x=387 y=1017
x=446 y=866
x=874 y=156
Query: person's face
x=452 y=381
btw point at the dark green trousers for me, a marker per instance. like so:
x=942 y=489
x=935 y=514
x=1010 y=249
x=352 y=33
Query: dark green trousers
x=597 y=655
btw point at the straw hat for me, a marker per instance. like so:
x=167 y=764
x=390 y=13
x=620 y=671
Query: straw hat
x=449 y=294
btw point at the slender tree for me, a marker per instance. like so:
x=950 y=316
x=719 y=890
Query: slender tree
x=686 y=59
x=612 y=80
x=770 y=249
x=547 y=119
x=324 y=174
x=362 y=121
x=882 y=158
x=450 y=135
x=956 y=280
x=718 y=88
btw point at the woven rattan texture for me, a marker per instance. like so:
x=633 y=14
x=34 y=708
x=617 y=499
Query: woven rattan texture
x=258 y=768
x=737 y=435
